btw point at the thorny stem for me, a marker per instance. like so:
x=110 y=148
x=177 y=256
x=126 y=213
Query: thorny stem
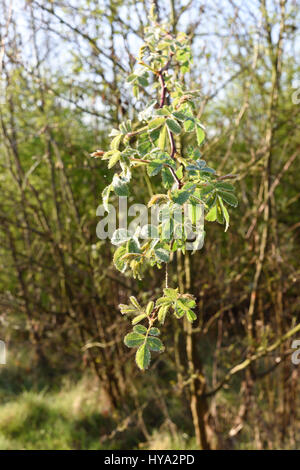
x=163 y=89
x=170 y=134
x=173 y=146
x=167 y=276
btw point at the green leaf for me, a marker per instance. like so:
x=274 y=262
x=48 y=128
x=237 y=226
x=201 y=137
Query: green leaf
x=114 y=159
x=162 y=255
x=127 y=309
x=154 y=344
x=189 y=125
x=118 y=262
x=180 y=196
x=153 y=136
x=120 y=186
x=178 y=312
x=149 y=231
x=133 y=340
x=225 y=186
x=131 y=78
x=180 y=116
x=135 y=91
x=229 y=198
x=143 y=357
x=167 y=178
x=154 y=332
x=191 y=316
x=162 y=138
x=200 y=134
x=225 y=213
x=211 y=216
x=164 y=301
x=173 y=126
x=155 y=123
x=149 y=308
x=172 y=294
x=154 y=168
x=121 y=235
x=162 y=313
x=138 y=319
x=142 y=81
x=167 y=229
x=186 y=303
x=115 y=143
x=208 y=188
x=135 y=302
x=105 y=196
x=140 y=329
x=133 y=247
x=220 y=217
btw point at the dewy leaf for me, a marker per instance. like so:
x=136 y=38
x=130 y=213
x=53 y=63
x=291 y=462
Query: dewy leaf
x=149 y=308
x=186 y=304
x=143 y=357
x=188 y=300
x=200 y=134
x=133 y=247
x=191 y=316
x=180 y=197
x=178 y=312
x=118 y=262
x=135 y=302
x=173 y=126
x=162 y=255
x=131 y=78
x=138 y=319
x=155 y=123
x=172 y=294
x=189 y=125
x=162 y=313
x=208 y=188
x=115 y=143
x=180 y=116
x=162 y=138
x=105 y=196
x=114 y=159
x=220 y=217
x=211 y=216
x=154 y=344
x=120 y=186
x=229 y=198
x=225 y=186
x=120 y=236
x=154 y=168
x=140 y=329
x=127 y=309
x=134 y=340
x=142 y=81
x=167 y=229
x=225 y=213
x=154 y=331
x=149 y=231
x=167 y=178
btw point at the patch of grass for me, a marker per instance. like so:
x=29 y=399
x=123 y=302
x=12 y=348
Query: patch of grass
x=162 y=440
x=72 y=418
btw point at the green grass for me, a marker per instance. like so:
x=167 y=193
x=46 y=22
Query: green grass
x=72 y=418
x=46 y=409
x=71 y=415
